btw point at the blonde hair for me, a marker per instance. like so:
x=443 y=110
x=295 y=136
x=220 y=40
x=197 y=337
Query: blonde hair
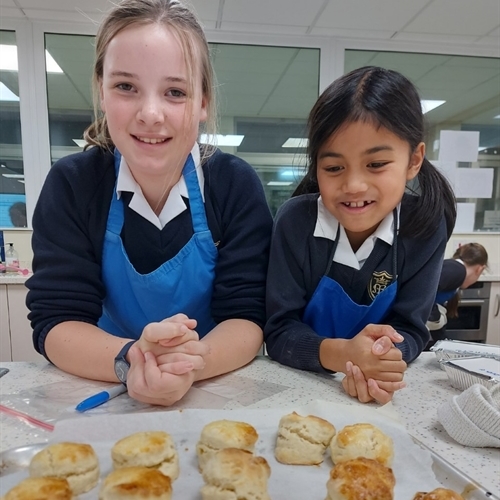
x=184 y=25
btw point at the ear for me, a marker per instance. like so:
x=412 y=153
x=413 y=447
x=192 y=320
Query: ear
x=416 y=160
x=101 y=96
x=204 y=111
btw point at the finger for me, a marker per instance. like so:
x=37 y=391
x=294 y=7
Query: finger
x=176 y=368
x=197 y=362
x=377 y=393
x=393 y=354
x=188 y=336
x=377 y=331
x=193 y=347
x=183 y=319
x=382 y=346
x=361 y=385
x=166 y=330
x=387 y=376
x=390 y=386
x=391 y=366
x=349 y=386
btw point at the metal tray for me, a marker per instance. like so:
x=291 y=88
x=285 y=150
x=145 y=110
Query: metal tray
x=18 y=459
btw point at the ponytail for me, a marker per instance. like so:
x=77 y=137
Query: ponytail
x=435 y=199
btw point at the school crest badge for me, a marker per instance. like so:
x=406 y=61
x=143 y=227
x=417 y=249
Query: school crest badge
x=378 y=283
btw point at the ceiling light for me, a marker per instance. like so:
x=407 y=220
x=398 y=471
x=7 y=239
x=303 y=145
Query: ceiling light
x=8 y=60
x=14 y=176
x=429 y=105
x=297 y=142
x=6 y=94
x=221 y=140
x=496 y=117
x=81 y=143
x=279 y=183
x=22 y=182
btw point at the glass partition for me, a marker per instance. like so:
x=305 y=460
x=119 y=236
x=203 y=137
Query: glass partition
x=264 y=93
x=12 y=192
x=466 y=94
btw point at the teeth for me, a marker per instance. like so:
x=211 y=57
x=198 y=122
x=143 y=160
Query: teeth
x=357 y=204
x=150 y=141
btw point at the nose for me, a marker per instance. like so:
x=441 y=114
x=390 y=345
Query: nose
x=354 y=182
x=151 y=111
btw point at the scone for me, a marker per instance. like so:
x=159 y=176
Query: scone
x=222 y=434
x=136 y=483
x=40 y=488
x=362 y=440
x=438 y=494
x=234 y=474
x=361 y=478
x=76 y=462
x=302 y=440
x=147 y=449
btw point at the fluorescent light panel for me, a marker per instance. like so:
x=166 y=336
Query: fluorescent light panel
x=80 y=142
x=429 y=105
x=279 y=183
x=497 y=117
x=221 y=140
x=14 y=176
x=295 y=142
x=8 y=60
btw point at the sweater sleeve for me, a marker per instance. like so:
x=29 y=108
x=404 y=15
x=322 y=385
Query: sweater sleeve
x=66 y=284
x=288 y=340
x=245 y=235
x=417 y=285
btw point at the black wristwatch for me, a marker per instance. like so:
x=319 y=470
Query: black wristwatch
x=121 y=364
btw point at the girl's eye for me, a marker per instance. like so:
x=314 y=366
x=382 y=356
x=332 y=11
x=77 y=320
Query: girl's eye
x=332 y=169
x=377 y=164
x=124 y=86
x=176 y=93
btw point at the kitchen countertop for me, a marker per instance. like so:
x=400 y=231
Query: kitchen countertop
x=428 y=387
x=13 y=279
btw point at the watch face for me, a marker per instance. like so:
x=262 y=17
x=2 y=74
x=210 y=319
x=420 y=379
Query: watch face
x=121 y=370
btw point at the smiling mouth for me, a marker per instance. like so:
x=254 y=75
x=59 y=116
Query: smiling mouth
x=357 y=204
x=149 y=140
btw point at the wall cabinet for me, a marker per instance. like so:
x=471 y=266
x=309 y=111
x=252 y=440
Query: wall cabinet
x=493 y=332
x=15 y=330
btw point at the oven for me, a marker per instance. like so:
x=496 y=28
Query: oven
x=472 y=321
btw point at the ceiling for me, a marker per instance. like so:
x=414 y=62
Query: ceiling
x=282 y=82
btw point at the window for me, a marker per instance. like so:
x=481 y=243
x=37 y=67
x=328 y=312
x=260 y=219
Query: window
x=12 y=192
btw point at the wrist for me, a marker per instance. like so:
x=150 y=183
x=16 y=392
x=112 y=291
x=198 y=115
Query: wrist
x=332 y=354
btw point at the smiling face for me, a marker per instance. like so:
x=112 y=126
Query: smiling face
x=362 y=172
x=153 y=106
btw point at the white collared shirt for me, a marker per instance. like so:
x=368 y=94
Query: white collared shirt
x=174 y=205
x=327 y=225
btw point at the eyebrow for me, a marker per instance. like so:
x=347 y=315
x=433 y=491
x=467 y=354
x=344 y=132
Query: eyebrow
x=370 y=151
x=126 y=74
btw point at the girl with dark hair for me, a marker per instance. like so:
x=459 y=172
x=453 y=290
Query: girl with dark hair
x=356 y=253
x=461 y=271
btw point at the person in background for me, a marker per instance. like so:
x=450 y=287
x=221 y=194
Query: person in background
x=355 y=259
x=17 y=214
x=461 y=271
x=150 y=250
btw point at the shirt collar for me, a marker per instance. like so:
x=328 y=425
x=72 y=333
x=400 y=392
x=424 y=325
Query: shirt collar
x=327 y=225
x=174 y=204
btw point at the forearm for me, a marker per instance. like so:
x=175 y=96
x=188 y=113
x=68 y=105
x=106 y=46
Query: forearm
x=233 y=343
x=83 y=350
x=332 y=354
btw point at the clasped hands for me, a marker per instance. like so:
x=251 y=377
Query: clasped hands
x=375 y=368
x=165 y=361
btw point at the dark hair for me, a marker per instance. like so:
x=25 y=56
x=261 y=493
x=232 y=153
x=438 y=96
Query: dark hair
x=471 y=254
x=387 y=99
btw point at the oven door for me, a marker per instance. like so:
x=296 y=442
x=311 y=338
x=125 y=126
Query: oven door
x=471 y=323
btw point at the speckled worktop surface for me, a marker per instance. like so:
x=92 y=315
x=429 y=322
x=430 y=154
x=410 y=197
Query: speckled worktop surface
x=416 y=405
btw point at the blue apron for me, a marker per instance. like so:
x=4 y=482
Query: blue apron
x=183 y=284
x=443 y=297
x=332 y=313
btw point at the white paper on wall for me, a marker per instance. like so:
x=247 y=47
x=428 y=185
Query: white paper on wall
x=492 y=220
x=474 y=183
x=458 y=145
x=448 y=169
x=465 y=218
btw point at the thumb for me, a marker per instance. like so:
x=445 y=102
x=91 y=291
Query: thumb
x=382 y=346
x=136 y=356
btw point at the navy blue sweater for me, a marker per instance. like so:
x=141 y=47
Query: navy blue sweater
x=298 y=261
x=69 y=224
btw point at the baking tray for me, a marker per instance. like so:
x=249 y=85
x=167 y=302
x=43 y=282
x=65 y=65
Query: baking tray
x=452 y=349
x=18 y=459
x=461 y=378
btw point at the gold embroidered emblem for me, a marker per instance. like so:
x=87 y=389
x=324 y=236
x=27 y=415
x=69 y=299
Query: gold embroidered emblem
x=378 y=283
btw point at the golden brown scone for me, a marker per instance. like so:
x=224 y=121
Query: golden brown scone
x=362 y=440
x=438 y=494
x=40 y=488
x=222 y=434
x=136 y=483
x=361 y=478
x=234 y=474
x=147 y=449
x=302 y=440
x=76 y=462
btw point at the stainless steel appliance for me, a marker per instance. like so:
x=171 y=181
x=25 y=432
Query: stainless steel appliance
x=472 y=321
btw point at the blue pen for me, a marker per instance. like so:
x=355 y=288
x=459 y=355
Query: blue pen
x=100 y=398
